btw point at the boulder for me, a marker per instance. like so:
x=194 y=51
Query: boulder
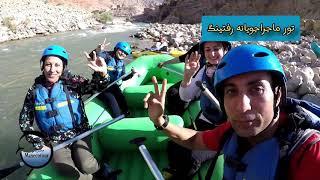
x=308 y=87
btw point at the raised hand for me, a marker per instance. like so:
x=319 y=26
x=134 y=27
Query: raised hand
x=191 y=66
x=102 y=46
x=97 y=64
x=155 y=102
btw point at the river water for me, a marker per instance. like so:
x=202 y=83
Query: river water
x=19 y=65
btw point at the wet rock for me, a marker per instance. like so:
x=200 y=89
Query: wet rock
x=306 y=73
x=294 y=83
x=316 y=77
x=308 y=87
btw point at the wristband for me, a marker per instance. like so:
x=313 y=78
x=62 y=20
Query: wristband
x=165 y=124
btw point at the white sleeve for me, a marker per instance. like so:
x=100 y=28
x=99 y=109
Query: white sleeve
x=192 y=91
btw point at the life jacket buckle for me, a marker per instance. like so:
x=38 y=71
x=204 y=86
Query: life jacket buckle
x=236 y=164
x=52 y=113
x=49 y=100
x=57 y=128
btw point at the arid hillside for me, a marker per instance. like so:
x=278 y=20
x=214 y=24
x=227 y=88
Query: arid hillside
x=190 y=11
x=117 y=7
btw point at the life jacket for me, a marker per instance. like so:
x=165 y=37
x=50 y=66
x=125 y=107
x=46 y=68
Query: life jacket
x=115 y=67
x=209 y=109
x=56 y=111
x=260 y=162
x=174 y=104
x=273 y=154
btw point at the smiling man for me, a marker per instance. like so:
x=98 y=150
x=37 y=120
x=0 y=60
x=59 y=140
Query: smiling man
x=266 y=136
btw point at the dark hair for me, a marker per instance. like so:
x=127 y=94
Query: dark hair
x=225 y=44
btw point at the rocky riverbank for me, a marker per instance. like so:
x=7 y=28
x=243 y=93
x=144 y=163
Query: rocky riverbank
x=28 y=18
x=301 y=64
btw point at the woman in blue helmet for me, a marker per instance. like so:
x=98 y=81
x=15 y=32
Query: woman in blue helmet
x=266 y=136
x=54 y=102
x=113 y=97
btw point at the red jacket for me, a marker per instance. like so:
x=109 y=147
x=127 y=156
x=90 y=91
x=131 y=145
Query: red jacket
x=309 y=156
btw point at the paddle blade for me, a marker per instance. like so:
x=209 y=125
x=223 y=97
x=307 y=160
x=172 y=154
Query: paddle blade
x=7 y=171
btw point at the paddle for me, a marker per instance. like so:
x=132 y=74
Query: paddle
x=7 y=171
x=120 y=78
x=207 y=93
x=147 y=157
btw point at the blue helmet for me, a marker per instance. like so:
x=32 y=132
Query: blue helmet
x=123 y=46
x=248 y=58
x=56 y=50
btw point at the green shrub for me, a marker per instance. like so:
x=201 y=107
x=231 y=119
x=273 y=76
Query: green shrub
x=103 y=17
x=7 y=21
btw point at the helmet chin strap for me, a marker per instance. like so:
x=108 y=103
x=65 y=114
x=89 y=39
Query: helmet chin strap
x=276 y=109
x=211 y=65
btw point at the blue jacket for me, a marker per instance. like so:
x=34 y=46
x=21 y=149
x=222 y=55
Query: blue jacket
x=115 y=66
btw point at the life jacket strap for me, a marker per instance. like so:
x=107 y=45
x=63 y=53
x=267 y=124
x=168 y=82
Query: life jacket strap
x=70 y=106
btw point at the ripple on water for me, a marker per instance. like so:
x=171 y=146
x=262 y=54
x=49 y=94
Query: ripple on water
x=5 y=49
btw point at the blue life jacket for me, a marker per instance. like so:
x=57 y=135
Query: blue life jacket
x=303 y=123
x=52 y=111
x=209 y=109
x=260 y=162
x=116 y=68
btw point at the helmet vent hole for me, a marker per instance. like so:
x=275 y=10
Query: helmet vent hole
x=50 y=49
x=63 y=51
x=221 y=65
x=261 y=54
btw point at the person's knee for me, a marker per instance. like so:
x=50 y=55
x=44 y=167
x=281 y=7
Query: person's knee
x=87 y=167
x=83 y=157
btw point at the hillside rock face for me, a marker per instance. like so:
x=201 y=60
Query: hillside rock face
x=116 y=7
x=190 y=11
